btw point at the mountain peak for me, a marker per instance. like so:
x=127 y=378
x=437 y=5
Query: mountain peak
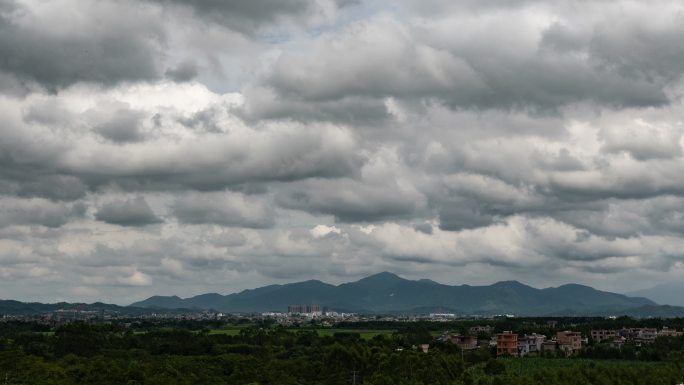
x=510 y=284
x=384 y=276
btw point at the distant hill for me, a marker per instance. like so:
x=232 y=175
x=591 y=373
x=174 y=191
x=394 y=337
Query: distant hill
x=389 y=293
x=11 y=307
x=666 y=293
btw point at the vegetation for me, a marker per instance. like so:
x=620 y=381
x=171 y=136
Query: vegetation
x=81 y=353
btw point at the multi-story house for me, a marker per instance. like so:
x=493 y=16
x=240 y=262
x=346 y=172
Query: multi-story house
x=603 y=335
x=569 y=342
x=507 y=344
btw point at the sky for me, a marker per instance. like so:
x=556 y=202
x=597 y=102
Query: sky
x=180 y=147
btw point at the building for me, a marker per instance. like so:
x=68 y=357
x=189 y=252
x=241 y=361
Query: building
x=667 y=332
x=647 y=334
x=569 y=342
x=604 y=335
x=475 y=330
x=530 y=344
x=296 y=309
x=506 y=344
x=617 y=343
x=549 y=346
x=304 y=309
x=464 y=342
x=314 y=309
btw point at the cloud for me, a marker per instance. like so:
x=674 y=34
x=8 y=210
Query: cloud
x=552 y=65
x=36 y=211
x=255 y=15
x=185 y=71
x=154 y=145
x=225 y=209
x=124 y=126
x=236 y=144
x=127 y=212
x=99 y=43
x=55 y=187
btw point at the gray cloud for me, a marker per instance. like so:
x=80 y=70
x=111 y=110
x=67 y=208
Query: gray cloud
x=104 y=44
x=236 y=144
x=383 y=57
x=56 y=187
x=129 y=212
x=183 y=72
x=124 y=126
x=351 y=201
x=36 y=211
x=249 y=17
x=224 y=209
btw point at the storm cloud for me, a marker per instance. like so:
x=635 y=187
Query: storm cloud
x=182 y=147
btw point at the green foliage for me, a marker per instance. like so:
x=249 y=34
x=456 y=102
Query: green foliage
x=108 y=355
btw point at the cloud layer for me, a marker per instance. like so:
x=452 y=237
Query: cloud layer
x=181 y=147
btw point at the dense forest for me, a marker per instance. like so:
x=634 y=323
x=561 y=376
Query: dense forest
x=81 y=353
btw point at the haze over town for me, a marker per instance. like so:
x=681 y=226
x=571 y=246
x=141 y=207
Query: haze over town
x=185 y=147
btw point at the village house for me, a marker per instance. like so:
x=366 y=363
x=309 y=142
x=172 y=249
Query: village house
x=530 y=344
x=507 y=344
x=603 y=335
x=464 y=342
x=569 y=342
x=475 y=330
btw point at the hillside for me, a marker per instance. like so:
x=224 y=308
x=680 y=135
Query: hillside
x=389 y=293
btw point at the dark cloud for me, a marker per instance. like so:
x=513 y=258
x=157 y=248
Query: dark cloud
x=233 y=210
x=56 y=187
x=39 y=212
x=183 y=72
x=251 y=16
x=123 y=126
x=424 y=228
x=132 y=212
x=101 y=44
x=351 y=201
x=460 y=217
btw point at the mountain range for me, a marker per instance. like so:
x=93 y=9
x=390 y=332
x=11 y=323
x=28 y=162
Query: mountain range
x=11 y=307
x=386 y=293
x=389 y=293
x=669 y=293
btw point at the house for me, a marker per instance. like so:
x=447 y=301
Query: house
x=617 y=343
x=530 y=344
x=549 y=346
x=667 y=332
x=475 y=330
x=569 y=341
x=464 y=342
x=647 y=334
x=603 y=335
x=507 y=344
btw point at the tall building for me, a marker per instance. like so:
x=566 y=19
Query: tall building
x=304 y=309
x=313 y=309
x=506 y=344
x=296 y=309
